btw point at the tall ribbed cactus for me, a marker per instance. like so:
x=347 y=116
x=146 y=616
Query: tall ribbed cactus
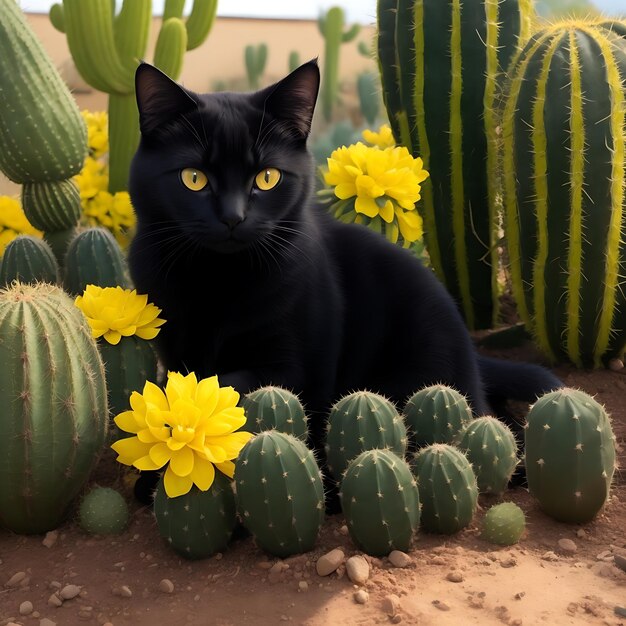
x=441 y=63
x=54 y=415
x=107 y=49
x=255 y=58
x=331 y=27
x=564 y=161
x=43 y=140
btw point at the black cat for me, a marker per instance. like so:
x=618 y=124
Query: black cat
x=260 y=286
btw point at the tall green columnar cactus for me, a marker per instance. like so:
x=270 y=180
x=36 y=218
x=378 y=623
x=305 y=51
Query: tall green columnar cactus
x=54 y=418
x=107 y=49
x=255 y=58
x=441 y=63
x=380 y=501
x=570 y=455
x=331 y=27
x=29 y=260
x=564 y=167
x=280 y=497
x=43 y=139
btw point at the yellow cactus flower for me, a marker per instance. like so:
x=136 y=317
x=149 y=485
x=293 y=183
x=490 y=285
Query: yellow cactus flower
x=374 y=184
x=114 y=312
x=383 y=138
x=97 y=132
x=190 y=428
x=13 y=222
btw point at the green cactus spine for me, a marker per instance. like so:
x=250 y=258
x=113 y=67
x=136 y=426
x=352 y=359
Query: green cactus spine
x=94 y=258
x=491 y=449
x=564 y=128
x=42 y=134
x=54 y=422
x=255 y=58
x=280 y=497
x=447 y=487
x=362 y=421
x=103 y=511
x=380 y=501
x=29 y=260
x=331 y=27
x=199 y=523
x=503 y=524
x=107 y=49
x=570 y=455
x=272 y=407
x=441 y=64
x=435 y=414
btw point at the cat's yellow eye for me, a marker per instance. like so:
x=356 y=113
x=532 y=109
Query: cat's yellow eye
x=267 y=179
x=193 y=179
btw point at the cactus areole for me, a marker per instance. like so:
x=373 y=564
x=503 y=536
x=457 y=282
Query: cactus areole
x=54 y=415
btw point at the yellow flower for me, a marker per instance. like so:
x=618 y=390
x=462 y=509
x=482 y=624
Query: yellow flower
x=191 y=428
x=383 y=138
x=378 y=184
x=13 y=222
x=113 y=313
x=97 y=132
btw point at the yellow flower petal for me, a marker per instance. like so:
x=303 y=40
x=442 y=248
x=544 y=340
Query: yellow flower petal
x=182 y=461
x=126 y=421
x=203 y=474
x=130 y=449
x=160 y=453
x=227 y=468
x=176 y=485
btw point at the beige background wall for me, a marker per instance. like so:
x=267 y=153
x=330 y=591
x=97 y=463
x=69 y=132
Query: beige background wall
x=219 y=58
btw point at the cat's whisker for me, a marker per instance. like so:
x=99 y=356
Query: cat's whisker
x=194 y=132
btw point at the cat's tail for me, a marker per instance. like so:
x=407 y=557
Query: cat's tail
x=517 y=381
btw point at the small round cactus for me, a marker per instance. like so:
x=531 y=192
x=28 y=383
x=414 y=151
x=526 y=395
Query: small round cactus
x=570 y=455
x=491 y=449
x=272 y=407
x=447 y=487
x=380 y=501
x=362 y=421
x=503 y=524
x=29 y=260
x=435 y=414
x=103 y=511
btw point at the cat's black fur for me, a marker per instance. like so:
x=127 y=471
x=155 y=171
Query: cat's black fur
x=264 y=287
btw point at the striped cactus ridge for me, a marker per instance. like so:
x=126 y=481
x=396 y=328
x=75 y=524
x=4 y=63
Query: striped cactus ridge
x=564 y=161
x=441 y=65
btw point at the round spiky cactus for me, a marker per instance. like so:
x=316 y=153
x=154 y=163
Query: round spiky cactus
x=103 y=511
x=29 y=260
x=272 y=407
x=447 y=486
x=570 y=455
x=380 y=501
x=54 y=419
x=435 y=414
x=362 y=421
x=491 y=449
x=503 y=524
x=199 y=523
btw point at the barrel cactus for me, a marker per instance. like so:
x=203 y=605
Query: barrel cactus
x=28 y=259
x=441 y=64
x=103 y=511
x=491 y=448
x=94 y=258
x=435 y=414
x=447 y=486
x=362 y=421
x=380 y=501
x=564 y=160
x=503 y=524
x=272 y=407
x=54 y=421
x=279 y=493
x=198 y=523
x=42 y=134
x=570 y=455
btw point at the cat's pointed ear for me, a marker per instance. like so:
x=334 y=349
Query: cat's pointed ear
x=159 y=98
x=292 y=100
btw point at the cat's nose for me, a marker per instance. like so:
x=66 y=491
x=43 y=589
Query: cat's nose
x=232 y=220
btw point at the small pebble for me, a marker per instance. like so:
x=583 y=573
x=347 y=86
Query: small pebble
x=54 y=600
x=396 y=619
x=15 y=580
x=580 y=533
x=616 y=365
x=46 y=622
x=549 y=556
x=399 y=559
x=329 y=562
x=508 y=562
x=361 y=596
x=442 y=606
x=344 y=530
x=26 y=608
x=125 y=591
x=455 y=576
x=264 y=564
x=69 y=591
x=391 y=604
x=166 y=586
x=567 y=545
x=358 y=569
x=303 y=585
x=51 y=538
x=620 y=561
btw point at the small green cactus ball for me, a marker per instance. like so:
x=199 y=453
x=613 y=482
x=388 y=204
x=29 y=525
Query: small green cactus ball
x=103 y=511
x=504 y=524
